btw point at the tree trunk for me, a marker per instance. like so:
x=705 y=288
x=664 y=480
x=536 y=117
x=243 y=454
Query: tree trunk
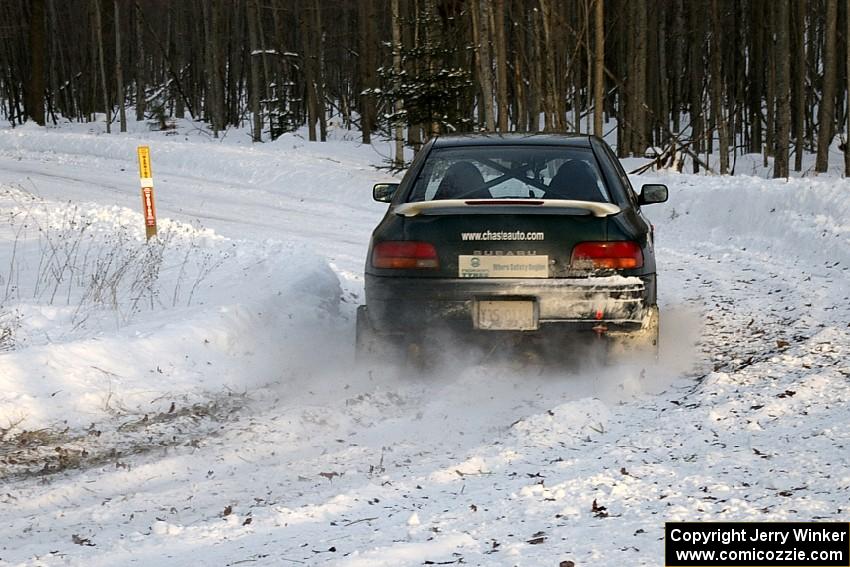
x=676 y=92
x=826 y=116
x=307 y=59
x=267 y=79
x=520 y=60
x=98 y=27
x=798 y=72
x=847 y=141
x=576 y=64
x=636 y=115
x=62 y=93
x=755 y=78
x=37 y=47
x=661 y=85
x=483 y=59
x=218 y=61
x=550 y=106
x=537 y=99
x=319 y=51
x=696 y=17
x=231 y=68
x=398 y=159
x=214 y=83
x=590 y=81
x=140 y=64
x=254 y=62
x=175 y=65
x=599 y=67
x=770 y=93
x=119 y=73
x=620 y=37
x=783 y=88
x=368 y=67
x=717 y=107
x=501 y=64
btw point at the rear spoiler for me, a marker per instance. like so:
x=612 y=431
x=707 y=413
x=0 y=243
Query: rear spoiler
x=539 y=206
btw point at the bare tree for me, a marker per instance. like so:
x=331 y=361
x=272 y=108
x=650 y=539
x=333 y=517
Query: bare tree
x=481 y=41
x=37 y=48
x=319 y=59
x=826 y=116
x=717 y=106
x=552 y=116
x=119 y=73
x=501 y=63
x=799 y=81
x=98 y=26
x=399 y=130
x=783 y=88
x=696 y=17
x=368 y=66
x=256 y=88
x=140 y=64
x=847 y=131
x=308 y=61
x=598 y=66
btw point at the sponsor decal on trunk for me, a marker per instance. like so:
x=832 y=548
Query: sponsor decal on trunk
x=503 y=266
x=516 y=235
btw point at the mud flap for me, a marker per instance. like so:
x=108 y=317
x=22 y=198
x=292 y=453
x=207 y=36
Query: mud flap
x=642 y=344
x=371 y=346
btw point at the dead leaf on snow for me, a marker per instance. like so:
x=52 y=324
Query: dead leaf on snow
x=599 y=511
x=760 y=454
x=81 y=540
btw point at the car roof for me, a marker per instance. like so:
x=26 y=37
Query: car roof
x=513 y=139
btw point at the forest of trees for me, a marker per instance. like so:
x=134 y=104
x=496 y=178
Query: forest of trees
x=706 y=79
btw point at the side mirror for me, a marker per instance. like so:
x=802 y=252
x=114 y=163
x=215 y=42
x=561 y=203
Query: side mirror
x=652 y=193
x=384 y=192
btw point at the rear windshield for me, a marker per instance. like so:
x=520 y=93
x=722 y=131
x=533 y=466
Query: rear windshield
x=510 y=172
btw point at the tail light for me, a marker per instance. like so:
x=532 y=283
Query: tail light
x=405 y=255
x=620 y=255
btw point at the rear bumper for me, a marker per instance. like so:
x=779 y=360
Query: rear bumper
x=405 y=305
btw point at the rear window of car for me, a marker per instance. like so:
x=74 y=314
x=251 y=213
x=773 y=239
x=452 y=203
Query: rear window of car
x=510 y=172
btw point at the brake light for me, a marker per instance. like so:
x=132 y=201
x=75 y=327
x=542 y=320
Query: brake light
x=405 y=255
x=620 y=255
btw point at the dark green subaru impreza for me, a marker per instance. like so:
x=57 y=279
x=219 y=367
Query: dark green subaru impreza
x=523 y=236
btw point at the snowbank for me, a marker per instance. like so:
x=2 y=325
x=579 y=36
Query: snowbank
x=805 y=221
x=103 y=323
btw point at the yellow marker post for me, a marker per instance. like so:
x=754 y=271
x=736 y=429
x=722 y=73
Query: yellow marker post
x=146 y=180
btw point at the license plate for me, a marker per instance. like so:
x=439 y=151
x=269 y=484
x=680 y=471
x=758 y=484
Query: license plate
x=503 y=266
x=500 y=315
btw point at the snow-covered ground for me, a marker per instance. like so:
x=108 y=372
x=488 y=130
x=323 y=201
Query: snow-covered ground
x=195 y=401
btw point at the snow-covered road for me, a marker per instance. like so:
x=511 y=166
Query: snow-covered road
x=232 y=428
